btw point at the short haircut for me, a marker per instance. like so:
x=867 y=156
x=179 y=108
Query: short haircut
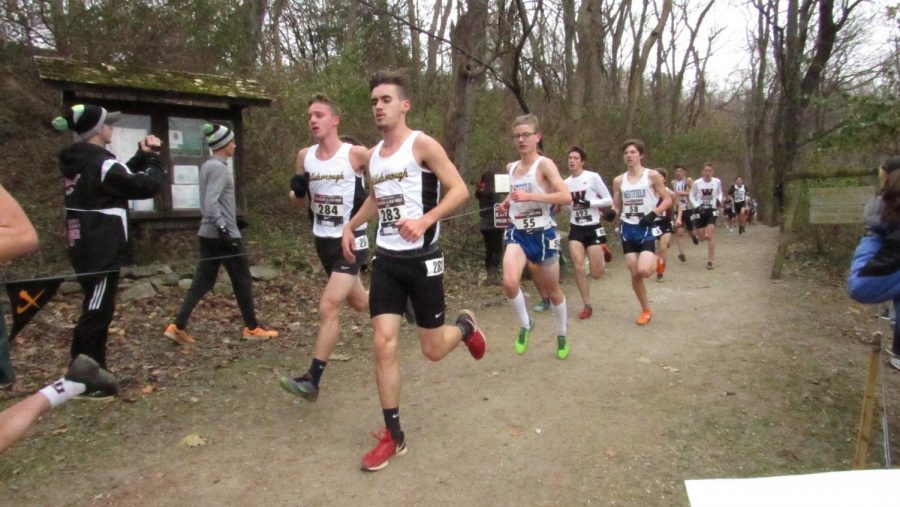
x=527 y=119
x=679 y=166
x=580 y=152
x=663 y=171
x=321 y=98
x=637 y=143
x=708 y=165
x=394 y=77
x=351 y=140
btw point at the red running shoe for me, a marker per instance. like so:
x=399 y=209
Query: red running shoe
x=586 y=313
x=607 y=254
x=379 y=457
x=475 y=341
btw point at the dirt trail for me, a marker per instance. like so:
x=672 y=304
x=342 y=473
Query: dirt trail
x=735 y=376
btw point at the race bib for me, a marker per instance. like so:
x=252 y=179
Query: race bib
x=390 y=211
x=656 y=231
x=501 y=217
x=555 y=243
x=531 y=219
x=328 y=209
x=434 y=267
x=600 y=232
x=361 y=242
x=715 y=213
x=582 y=215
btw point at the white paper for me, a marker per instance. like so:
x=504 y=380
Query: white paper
x=831 y=489
x=186 y=174
x=142 y=205
x=185 y=196
x=176 y=139
x=501 y=183
x=125 y=142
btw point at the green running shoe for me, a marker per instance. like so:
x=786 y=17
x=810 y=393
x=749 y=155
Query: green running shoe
x=301 y=386
x=543 y=306
x=524 y=334
x=562 y=347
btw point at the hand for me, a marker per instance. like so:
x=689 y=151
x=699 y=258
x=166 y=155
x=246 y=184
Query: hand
x=413 y=229
x=609 y=215
x=300 y=185
x=150 y=144
x=504 y=206
x=518 y=196
x=227 y=243
x=678 y=222
x=580 y=204
x=347 y=244
x=648 y=219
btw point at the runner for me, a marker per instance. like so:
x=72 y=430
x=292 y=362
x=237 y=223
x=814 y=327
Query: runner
x=329 y=180
x=707 y=196
x=586 y=234
x=535 y=185
x=407 y=170
x=739 y=193
x=682 y=185
x=728 y=208
x=664 y=224
x=639 y=196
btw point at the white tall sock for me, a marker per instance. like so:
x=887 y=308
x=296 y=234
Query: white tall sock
x=62 y=391
x=559 y=311
x=518 y=304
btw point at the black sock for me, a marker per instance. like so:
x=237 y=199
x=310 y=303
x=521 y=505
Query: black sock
x=316 y=369
x=465 y=327
x=392 y=422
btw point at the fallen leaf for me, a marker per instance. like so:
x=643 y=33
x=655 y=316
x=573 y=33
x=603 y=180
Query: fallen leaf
x=610 y=454
x=193 y=440
x=59 y=431
x=147 y=389
x=644 y=360
x=514 y=431
x=341 y=357
x=670 y=368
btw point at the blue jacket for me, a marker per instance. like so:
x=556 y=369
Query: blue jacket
x=874 y=279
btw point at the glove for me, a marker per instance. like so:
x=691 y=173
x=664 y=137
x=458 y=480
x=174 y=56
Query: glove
x=648 y=219
x=228 y=243
x=242 y=223
x=609 y=215
x=300 y=184
x=580 y=204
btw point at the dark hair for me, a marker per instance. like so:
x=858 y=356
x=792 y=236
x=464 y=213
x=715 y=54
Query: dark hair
x=679 y=166
x=663 y=172
x=579 y=151
x=394 y=77
x=321 y=98
x=890 y=215
x=637 y=143
x=351 y=140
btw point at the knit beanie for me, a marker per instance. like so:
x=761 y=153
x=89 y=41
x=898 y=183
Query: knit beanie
x=217 y=136
x=85 y=120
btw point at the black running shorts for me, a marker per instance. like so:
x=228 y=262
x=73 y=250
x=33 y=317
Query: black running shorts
x=332 y=256
x=738 y=206
x=587 y=235
x=419 y=279
x=665 y=226
x=706 y=217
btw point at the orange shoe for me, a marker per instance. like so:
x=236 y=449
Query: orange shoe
x=258 y=334
x=644 y=318
x=178 y=335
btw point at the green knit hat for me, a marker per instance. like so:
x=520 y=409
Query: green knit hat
x=217 y=136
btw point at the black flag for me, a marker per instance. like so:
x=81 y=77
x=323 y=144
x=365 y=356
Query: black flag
x=27 y=298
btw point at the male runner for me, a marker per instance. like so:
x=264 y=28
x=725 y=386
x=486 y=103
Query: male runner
x=586 y=235
x=707 y=197
x=330 y=179
x=407 y=170
x=739 y=193
x=728 y=208
x=535 y=185
x=639 y=196
x=664 y=224
x=682 y=185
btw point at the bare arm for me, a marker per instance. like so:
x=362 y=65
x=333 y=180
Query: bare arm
x=617 y=194
x=17 y=235
x=659 y=187
x=558 y=193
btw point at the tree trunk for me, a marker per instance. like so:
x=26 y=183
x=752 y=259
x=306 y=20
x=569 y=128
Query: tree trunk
x=639 y=62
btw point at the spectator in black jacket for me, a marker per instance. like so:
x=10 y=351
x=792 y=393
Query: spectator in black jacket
x=97 y=190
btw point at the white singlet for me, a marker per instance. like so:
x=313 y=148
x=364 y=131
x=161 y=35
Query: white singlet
x=588 y=186
x=638 y=199
x=681 y=186
x=706 y=194
x=403 y=189
x=333 y=188
x=528 y=215
x=740 y=193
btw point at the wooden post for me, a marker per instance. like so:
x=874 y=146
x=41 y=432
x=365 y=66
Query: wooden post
x=868 y=405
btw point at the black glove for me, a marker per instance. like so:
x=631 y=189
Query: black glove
x=648 y=219
x=242 y=223
x=228 y=243
x=609 y=215
x=580 y=204
x=300 y=184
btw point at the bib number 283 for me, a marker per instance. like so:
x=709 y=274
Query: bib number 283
x=435 y=267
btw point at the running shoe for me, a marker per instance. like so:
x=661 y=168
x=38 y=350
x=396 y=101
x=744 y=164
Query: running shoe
x=681 y=257
x=379 y=457
x=475 y=341
x=709 y=265
x=741 y=229
x=644 y=318
x=178 y=335
x=259 y=334
x=522 y=340
x=301 y=386
x=607 y=253
x=659 y=277
x=99 y=383
x=543 y=306
x=562 y=347
x=694 y=239
x=586 y=313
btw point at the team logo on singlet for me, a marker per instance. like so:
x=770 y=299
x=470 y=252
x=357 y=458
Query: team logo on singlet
x=398 y=175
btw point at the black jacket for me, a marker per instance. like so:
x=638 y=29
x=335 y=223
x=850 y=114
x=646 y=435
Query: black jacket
x=97 y=191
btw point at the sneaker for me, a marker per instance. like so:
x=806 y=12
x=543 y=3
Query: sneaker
x=475 y=341
x=379 y=456
x=709 y=265
x=659 y=277
x=99 y=383
x=694 y=239
x=178 y=335
x=741 y=229
x=259 y=334
x=301 y=386
x=522 y=340
x=562 y=347
x=543 y=306
x=682 y=258
x=607 y=253
x=644 y=317
x=586 y=313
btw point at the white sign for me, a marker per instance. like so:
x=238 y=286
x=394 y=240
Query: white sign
x=501 y=183
x=185 y=196
x=124 y=145
x=838 y=205
x=176 y=139
x=186 y=175
x=142 y=205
